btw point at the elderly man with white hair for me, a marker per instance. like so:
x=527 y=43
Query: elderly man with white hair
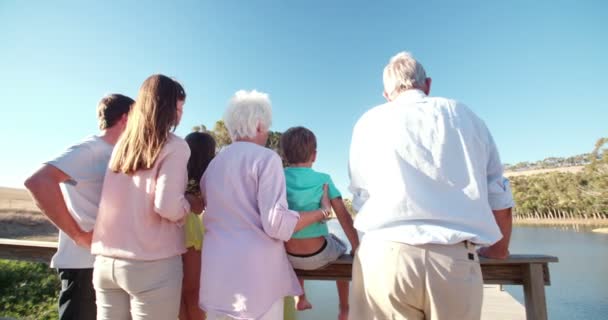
x=245 y=273
x=428 y=186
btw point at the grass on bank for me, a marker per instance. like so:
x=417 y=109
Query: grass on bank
x=28 y=290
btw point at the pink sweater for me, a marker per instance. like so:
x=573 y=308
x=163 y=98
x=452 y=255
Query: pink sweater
x=140 y=215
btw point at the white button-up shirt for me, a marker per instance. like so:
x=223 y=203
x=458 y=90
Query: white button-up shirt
x=426 y=170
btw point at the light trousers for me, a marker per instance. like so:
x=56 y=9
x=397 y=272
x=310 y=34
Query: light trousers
x=393 y=280
x=132 y=289
x=274 y=313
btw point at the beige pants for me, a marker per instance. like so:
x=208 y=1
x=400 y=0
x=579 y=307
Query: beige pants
x=274 y=313
x=393 y=280
x=130 y=289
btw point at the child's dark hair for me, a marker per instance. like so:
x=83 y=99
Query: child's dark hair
x=298 y=145
x=202 y=151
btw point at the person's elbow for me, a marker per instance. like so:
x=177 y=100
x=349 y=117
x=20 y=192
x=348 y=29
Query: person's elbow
x=31 y=182
x=279 y=232
x=36 y=182
x=281 y=226
x=172 y=212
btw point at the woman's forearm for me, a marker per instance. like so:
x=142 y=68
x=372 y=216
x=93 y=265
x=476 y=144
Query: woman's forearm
x=309 y=217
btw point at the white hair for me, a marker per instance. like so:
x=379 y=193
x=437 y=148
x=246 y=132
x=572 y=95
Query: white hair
x=246 y=110
x=402 y=73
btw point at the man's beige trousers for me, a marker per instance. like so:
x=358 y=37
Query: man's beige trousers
x=393 y=280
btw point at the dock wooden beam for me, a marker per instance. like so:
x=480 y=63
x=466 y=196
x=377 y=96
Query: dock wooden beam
x=529 y=271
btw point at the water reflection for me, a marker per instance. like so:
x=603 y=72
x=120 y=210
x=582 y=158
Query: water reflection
x=576 y=227
x=579 y=280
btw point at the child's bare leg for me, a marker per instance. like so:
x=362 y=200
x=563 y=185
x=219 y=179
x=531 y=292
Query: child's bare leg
x=301 y=302
x=343 y=298
x=189 y=309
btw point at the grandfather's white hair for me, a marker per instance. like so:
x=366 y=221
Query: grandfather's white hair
x=246 y=110
x=402 y=73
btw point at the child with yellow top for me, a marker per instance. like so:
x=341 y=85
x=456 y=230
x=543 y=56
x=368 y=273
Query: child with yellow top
x=202 y=151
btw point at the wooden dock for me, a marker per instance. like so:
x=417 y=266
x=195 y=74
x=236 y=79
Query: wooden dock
x=500 y=305
x=529 y=271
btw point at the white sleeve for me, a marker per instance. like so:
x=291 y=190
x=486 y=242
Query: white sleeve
x=355 y=169
x=499 y=189
x=75 y=162
x=277 y=220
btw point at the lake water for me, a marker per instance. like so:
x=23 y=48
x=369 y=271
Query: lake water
x=579 y=281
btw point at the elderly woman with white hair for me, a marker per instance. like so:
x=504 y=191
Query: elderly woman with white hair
x=245 y=273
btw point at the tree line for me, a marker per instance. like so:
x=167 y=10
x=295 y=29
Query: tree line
x=550 y=162
x=563 y=195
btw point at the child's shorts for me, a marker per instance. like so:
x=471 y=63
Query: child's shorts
x=194 y=230
x=334 y=248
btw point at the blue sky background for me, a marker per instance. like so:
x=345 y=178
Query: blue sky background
x=535 y=71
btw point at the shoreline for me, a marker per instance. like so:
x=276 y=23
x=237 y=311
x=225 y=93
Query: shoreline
x=581 y=221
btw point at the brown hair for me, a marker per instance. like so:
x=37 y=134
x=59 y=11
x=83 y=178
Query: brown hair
x=111 y=108
x=154 y=115
x=298 y=145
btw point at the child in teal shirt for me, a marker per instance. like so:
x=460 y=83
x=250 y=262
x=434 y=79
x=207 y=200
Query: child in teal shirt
x=313 y=247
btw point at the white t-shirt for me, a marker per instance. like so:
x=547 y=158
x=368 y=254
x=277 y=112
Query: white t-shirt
x=86 y=164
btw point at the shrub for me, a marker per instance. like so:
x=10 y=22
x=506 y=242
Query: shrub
x=28 y=290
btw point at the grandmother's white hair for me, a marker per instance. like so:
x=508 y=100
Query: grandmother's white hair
x=246 y=110
x=402 y=73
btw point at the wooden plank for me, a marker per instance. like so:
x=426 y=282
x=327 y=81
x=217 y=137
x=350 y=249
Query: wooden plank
x=34 y=251
x=531 y=271
x=500 y=305
x=534 y=292
x=508 y=271
x=520 y=258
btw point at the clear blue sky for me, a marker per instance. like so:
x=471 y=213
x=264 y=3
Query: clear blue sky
x=535 y=71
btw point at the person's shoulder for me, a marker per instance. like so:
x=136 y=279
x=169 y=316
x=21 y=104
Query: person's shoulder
x=176 y=143
x=176 y=140
x=443 y=102
x=462 y=112
x=80 y=153
x=268 y=153
x=372 y=114
x=254 y=152
x=91 y=141
x=89 y=144
x=324 y=176
x=453 y=105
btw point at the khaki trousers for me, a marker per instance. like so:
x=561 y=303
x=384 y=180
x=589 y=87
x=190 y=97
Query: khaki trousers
x=274 y=313
x=131 y=289
x=393 y=280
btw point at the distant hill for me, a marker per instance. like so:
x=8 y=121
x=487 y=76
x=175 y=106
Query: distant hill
x=529 y=172
x=551 y=163
x=16 y=200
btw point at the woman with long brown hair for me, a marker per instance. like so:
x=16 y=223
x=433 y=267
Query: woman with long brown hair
x=138 y=237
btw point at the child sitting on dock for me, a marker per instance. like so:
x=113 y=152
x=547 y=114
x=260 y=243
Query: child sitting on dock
x=313 y=247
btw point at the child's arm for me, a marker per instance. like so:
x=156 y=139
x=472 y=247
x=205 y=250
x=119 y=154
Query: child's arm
x=196 y=203
x=346 y=221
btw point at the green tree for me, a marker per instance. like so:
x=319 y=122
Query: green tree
x=559 y=194
x=220 y=134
